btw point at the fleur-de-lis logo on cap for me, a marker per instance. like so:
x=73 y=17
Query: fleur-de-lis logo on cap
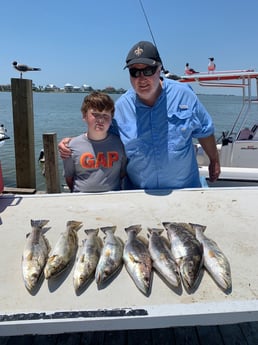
x=138 y=51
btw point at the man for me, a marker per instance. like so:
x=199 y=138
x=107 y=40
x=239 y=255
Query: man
x=157 y=121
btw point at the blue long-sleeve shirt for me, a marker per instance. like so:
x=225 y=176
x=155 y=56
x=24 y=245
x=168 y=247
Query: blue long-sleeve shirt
x=158 y=139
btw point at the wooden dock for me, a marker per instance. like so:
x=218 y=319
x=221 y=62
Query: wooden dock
x=235 y=334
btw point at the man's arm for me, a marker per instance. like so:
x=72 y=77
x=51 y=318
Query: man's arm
x=210 y=148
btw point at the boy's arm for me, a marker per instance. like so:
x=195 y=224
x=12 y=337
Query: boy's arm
x=64 y=149
x=69 y=182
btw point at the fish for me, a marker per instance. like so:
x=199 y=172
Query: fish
x=35 y=254
x=88 y=259
x=64 y=250
x=137 y=259
x=215 y=261
x=192 y=226
x=111 y=257
x=162 y=259
x=187 y=252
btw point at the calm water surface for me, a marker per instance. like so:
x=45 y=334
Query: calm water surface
x=60 y=113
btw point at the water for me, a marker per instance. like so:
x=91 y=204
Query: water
x=60 y=113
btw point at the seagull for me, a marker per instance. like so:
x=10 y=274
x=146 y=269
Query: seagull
x=24 y=68
x=171 y=75
x=211 y=65
x=189 y=70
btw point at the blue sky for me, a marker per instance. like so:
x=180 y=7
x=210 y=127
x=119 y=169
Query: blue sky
x=86 y=42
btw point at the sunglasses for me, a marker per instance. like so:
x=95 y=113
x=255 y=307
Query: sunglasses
x=147 y=71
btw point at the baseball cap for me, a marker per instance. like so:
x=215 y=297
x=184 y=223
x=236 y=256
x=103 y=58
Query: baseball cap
x=143 y=52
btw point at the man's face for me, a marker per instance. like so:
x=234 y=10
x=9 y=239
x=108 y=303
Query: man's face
x=145 y=80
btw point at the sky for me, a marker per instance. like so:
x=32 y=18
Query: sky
x=86 y=42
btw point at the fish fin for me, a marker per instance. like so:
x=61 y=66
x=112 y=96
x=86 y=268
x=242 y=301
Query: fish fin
x=39 y=223
x=91 y=231
x=166 y=224
x=74 y=224
x=82 y=258
x=165 y=241
x=105 y=229
x=29 y=256
x=200 y=227
x=137 y=228
x=47 y=244
x=155 y=230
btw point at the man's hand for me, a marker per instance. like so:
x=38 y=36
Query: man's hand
x=214 y=170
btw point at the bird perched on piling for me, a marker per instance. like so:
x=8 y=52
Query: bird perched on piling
x=189 y=70
x=211 y=65
x=24 y=68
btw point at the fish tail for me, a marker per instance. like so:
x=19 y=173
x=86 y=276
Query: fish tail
x=200 y=227
x=137 y=228
x=106 y=229
x=39 y=223
x=91 y=231
x=74 y=225
x=155 y=230
x=166 y=225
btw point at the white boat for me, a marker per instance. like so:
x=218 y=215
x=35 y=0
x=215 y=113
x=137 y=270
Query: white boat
x=238 y=147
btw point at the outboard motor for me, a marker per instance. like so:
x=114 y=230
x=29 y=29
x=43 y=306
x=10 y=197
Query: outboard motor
x=225 y=140
x=3 y=135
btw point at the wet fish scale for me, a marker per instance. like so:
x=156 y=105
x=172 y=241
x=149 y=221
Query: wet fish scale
x=187 y=252
x=88 y=259
x=35 y=254
x=161 y=255
x=64 y=250
x=215 y=261
x=137 y=259
x=111 y=257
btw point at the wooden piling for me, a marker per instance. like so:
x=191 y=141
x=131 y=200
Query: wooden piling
x=51 y=163
x=23 y=124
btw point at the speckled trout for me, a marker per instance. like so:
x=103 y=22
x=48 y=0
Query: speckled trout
x=187 y=252
x=162 y=258
x=64 y=250
x=111 y=258
x=88 y=259
x=35 y=254
x=215 y=261
x=137 y=259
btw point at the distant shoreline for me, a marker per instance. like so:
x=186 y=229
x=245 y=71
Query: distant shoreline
x=109 y=91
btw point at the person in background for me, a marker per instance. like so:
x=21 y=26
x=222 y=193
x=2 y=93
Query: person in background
x=157 y=120
x=98 y=160
x=188 y=70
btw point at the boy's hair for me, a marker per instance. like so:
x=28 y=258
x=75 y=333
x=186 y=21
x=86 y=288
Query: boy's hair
x=98 y=101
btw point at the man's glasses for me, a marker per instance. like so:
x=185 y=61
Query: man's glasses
x=105 y=117
x=147 y=71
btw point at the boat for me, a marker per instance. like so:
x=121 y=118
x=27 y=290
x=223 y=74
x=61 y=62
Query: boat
x=238 y=146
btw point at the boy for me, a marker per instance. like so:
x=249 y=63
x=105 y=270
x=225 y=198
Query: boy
x=98 y=161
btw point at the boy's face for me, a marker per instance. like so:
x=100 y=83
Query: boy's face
x=98 y=121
